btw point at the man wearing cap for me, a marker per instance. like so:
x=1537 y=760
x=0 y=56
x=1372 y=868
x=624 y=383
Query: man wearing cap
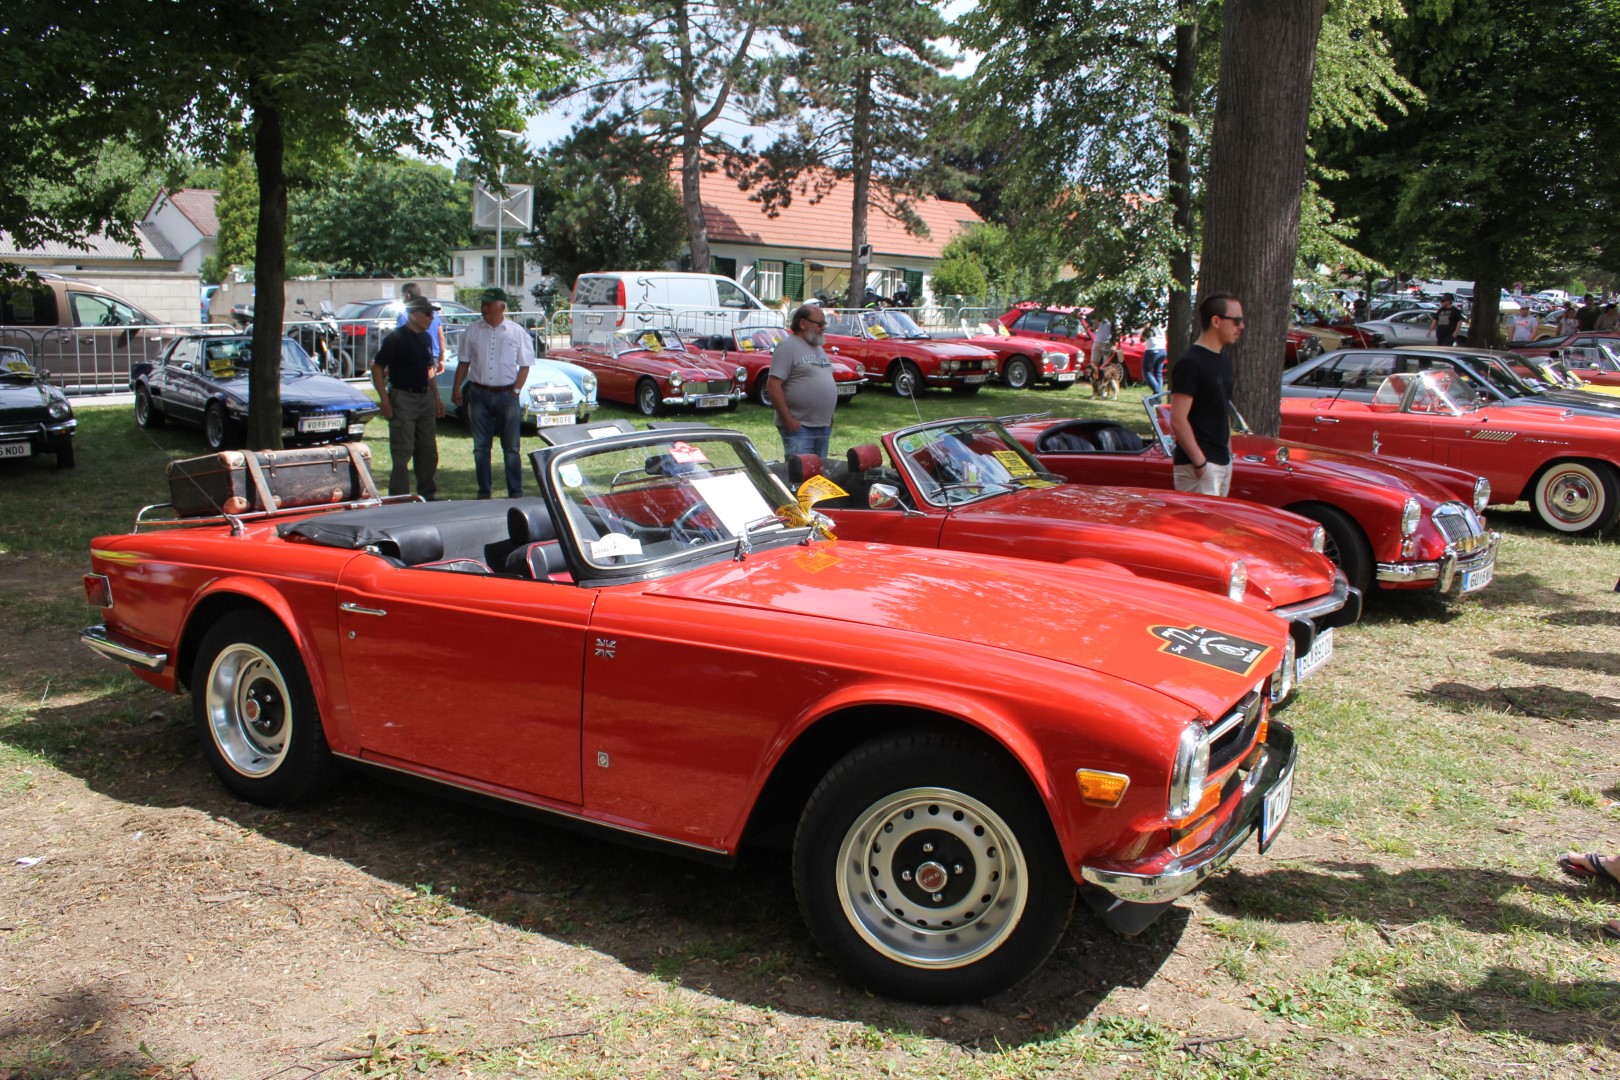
x=1443 y=324
x=412 y=291
x=403 y=375
x=495 y=359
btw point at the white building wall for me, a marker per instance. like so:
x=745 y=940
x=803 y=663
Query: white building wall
x=183 y=236
x=748 y=254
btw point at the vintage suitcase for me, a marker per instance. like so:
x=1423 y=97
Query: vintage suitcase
x=238 y=481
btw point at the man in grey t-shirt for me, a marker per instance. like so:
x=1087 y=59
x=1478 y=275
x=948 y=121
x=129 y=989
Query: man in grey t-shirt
x=801 y=385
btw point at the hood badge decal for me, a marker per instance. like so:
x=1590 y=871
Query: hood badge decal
x=1205 y=646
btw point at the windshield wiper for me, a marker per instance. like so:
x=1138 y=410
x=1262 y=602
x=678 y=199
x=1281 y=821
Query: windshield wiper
x=744 y=544
x=983 y=486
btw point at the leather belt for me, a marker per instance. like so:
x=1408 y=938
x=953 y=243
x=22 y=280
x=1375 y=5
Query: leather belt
x=493 y=389
x=408 y=390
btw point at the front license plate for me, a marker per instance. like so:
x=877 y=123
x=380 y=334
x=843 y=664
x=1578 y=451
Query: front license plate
x=974 y=379
x=1275 y=809
x=1067 y=376
x=714 y=401
x=1321 y=650
x=15 y=449
x=846 y=391
x=1474 y=580
x=555 y=419
x=321 y=423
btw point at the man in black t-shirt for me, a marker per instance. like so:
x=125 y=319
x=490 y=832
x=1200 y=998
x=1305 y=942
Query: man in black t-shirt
x=1201 y=397
x=410 y=401
x=1444 y=323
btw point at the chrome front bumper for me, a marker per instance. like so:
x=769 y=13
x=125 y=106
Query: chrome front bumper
x=1129 y=887
x=696 y=400
x=101 y=640
x=1446 y=572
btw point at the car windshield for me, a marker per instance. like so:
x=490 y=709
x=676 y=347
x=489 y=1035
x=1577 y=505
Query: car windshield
x=680 y=499
x=1496 y=372
x=230 y=358
x=759 y=338
x=1434 y=392
x=965 y=460
x=890 y=323
x=14 y=366
x=659 y=340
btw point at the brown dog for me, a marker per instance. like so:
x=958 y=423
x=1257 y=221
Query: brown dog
x=1107 y=380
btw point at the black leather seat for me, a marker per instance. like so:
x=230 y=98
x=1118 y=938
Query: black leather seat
x=1059 y=441
x=1114 y=439
x=529 y=526
x=538 y=560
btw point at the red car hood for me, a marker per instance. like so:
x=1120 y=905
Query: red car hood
x=990 y=341
x=1422 y=478
x=945 y=350
x=1083 y=618
x=1168 y=531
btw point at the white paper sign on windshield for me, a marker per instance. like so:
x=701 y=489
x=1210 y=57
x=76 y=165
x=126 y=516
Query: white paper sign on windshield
x=734 y=499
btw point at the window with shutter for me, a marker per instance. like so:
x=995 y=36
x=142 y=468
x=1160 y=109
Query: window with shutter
x=793 y=281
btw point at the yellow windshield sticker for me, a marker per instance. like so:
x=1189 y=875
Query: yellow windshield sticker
x=1014 y=462
x=877 y=331
x=19 y=365
x=745 y=344
x=1001 y=328
x=652 y=342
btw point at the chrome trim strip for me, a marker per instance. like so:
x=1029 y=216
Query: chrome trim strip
x=1322 y=605
x=99 y=639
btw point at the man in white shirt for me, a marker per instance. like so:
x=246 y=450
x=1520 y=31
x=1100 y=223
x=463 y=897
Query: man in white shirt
x=496 y=356
x=1524 y=325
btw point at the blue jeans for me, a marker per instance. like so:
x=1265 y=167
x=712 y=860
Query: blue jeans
x=488 y=415
x=1153 y=369
x=807 y=440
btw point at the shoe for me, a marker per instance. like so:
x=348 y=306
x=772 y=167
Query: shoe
x=1587 y=867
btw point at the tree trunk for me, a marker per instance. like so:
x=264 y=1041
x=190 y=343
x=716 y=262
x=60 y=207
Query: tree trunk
x=1183 y=99
x=697 y=226
x=269 y=276
x=1256 y=177
x=861 y=155
x=1485 y=322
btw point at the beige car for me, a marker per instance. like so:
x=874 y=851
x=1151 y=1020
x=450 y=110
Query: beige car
x=83 y=335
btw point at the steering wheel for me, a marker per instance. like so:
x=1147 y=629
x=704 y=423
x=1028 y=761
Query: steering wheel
x=685 y=531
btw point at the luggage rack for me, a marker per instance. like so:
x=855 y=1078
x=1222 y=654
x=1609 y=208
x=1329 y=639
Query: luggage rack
x=236 y=521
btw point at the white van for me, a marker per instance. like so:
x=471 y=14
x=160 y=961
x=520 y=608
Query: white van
x=698 y=305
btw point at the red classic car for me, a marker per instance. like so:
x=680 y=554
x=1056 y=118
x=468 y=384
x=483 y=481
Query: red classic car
x=1390 y=524
x=1021 y=362
x=751 y=346
x=1594 y=357
x=965 y=485
x=667 y=653
x=1566 y=464
x=1050 y=322
x=895 y=350
x=654 y=370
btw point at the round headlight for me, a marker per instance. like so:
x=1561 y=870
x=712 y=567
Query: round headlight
x=675 y=381
x=1238 y=581
x=742 y=374
x=860 y=369
x=589 y=382
x=1411 y=515
x=1282 y=455
x=1319 y=539
x=1190 y=773
x=1482 y=495
x=59 y=409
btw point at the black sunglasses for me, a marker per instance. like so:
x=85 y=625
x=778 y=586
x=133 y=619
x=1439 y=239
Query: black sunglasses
x=1232 y=318
x=814 y=322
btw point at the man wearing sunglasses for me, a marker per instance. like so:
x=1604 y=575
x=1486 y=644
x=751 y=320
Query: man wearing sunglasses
x=1201 y=397
x=801 y=385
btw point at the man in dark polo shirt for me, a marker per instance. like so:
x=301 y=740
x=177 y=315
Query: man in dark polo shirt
x=1445 y=322
x=1200 y=399
x=410 y=401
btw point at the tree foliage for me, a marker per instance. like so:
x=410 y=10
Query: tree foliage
x=382 y=217
x=237 y=209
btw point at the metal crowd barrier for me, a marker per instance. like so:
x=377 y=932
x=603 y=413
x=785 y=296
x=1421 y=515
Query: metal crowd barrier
x=598 y=324
x=87 y=360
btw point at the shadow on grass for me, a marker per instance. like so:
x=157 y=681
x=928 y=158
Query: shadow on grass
x=1526 y=1003
x=735 y=934
x=1585 y=617
x=1541 y=701
x=1602 y=662
x=63 y=1036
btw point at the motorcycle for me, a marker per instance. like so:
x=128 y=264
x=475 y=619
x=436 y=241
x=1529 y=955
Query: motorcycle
x=323 y=340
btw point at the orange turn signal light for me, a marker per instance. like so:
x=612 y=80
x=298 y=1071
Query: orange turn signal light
x=1099 y=788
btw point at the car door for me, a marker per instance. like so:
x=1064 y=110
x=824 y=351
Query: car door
x=470 y=676
x=173 y=384
x=106 y=335
x=1412 y=326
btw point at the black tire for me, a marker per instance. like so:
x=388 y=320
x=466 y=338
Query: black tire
x=218 y=431
x=1346 y=545
x=256 y=714
x=904 y=379
x=64 y=454
x=146 y=410
x=344 y=363
x=649 y=402
x=1017 y=373
x=966 y=389
x=999 y=866
x=762 y=392
x=1576 y=498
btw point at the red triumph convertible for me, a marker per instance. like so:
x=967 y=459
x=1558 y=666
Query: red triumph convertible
x=1048 y=322
x=1021 y=362
x=655 y=371
x=751 y=347
x=1390 y=524
x=965 y=485
x=667 y=652
x=1566 y=464
x=895 y=350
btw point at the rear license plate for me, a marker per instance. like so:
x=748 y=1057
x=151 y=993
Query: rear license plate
x=1067 y=376
x=1321 y=650
x=555 y=419
x=1274 y=811
x=15 y=449
x=714 y=401
x=1474 y=580
x=970 y=380
x=322 y=423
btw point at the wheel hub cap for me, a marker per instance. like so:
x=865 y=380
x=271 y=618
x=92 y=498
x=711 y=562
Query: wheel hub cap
x=1573 y=498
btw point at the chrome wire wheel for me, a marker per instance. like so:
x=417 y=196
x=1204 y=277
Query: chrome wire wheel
x=249 y=710
x=932 y=878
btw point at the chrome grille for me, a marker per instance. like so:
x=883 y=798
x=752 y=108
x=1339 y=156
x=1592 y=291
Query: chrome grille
x=1235 y=733
x=552 y=395
x=1460 y=526
x=713 y=386
x=21 y=429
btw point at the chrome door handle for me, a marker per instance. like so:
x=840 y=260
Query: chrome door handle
x=358 y=610
x=1326 y=420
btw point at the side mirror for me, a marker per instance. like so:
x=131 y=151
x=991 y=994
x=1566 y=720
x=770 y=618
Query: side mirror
x=883 y=497
x=835 y=351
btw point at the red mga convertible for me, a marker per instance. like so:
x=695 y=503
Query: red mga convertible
x=654 y=371
x=667 y=651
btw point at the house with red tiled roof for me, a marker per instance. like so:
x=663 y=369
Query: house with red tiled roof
x=186 y=223
x=803 y=251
